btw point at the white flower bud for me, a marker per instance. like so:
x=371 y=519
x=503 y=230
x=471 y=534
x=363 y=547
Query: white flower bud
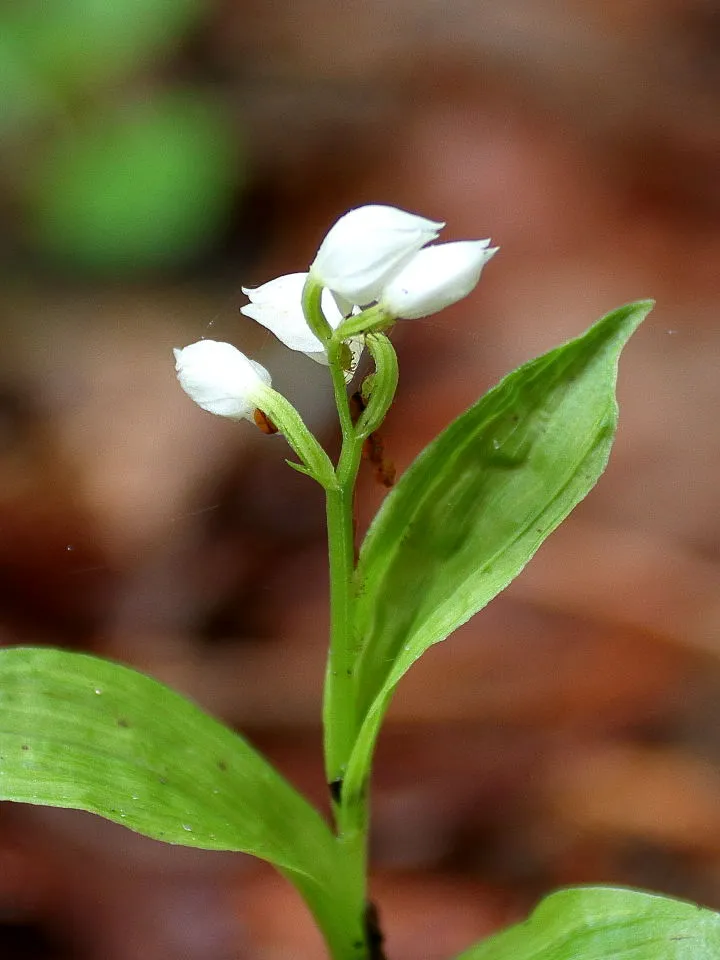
x=435 y=278
x=366 y=247
x=221 y=379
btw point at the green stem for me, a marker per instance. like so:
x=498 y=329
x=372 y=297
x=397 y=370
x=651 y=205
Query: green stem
x=339 y=704
x=339 y=913
x=339 y=709
x=339 y=715
x=343 y=407
x=347 y=939
x=340 y=721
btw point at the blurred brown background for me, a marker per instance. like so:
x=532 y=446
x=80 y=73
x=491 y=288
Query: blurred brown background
x=155 y=155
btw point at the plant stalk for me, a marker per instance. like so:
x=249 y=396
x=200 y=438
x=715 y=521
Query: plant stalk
x=339 y=708
x=340 y=719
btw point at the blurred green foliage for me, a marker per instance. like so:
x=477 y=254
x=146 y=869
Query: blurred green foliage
x=111 y=168
x=75 y=43
x=146 y=186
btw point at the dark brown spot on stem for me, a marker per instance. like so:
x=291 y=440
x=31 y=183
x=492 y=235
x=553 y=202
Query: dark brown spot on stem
x=373 y=933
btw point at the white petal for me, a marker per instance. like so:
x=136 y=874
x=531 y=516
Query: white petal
x=320 y=357
x=277 y=306
x=221 y=379
x=435 y=278
x=366 y=246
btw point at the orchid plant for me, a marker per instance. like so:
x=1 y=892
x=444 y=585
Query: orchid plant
x=460 y=524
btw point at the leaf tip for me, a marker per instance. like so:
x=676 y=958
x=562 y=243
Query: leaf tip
x=645 y=306
x=620 y=324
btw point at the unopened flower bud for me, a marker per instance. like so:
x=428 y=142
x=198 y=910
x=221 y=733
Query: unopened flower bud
x=222 y=380
x=366 y=247
x=435 y=278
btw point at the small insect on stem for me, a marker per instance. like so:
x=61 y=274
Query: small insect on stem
x=263 y=422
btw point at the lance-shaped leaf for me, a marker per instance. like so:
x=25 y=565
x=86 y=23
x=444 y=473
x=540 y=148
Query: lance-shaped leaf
x=80 y=732
x=597 y=923
x=476 y=504
x=85 y=733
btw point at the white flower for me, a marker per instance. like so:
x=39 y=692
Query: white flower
x=372 y=255
x=277 y=306
x=435 y=278
x=221 y=379
x=366 y=247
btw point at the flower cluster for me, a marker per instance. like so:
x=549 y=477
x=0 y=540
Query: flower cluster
x=376 y=265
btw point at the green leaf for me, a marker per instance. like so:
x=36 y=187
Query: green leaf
x=597 y=923
x=80 y=732
x=474 y=507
